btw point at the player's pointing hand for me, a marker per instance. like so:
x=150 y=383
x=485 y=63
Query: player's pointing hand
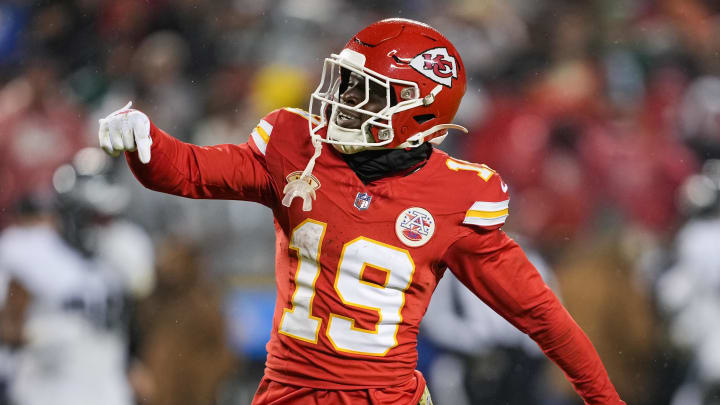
x=126 y=130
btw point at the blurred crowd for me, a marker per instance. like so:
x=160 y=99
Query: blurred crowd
x=603 y=117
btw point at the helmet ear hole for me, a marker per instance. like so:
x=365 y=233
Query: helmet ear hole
x=423 y=118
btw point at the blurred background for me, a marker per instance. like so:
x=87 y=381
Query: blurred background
x=603 y=117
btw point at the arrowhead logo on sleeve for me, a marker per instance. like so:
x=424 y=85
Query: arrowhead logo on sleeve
x=415 y=226
x=437 y=64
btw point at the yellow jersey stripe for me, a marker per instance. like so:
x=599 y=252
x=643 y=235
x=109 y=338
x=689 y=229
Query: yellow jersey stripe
x=490 y=206
x=263 y=134
x=486 y=214
x=259 y=141
x=484 y=221
x=266 y=126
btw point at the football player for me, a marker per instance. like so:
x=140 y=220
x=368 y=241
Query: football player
x=368 y=216
x=63 y=302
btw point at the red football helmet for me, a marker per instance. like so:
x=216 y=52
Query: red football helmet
x=424 y=81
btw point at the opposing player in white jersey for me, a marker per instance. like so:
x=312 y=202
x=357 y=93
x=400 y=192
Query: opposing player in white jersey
x=61 y=311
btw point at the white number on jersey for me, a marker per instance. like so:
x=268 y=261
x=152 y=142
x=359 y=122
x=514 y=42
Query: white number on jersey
x=298 y=321
x=387 y=300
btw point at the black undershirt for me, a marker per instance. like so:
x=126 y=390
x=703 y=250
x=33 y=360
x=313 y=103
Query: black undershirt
x=372 y=165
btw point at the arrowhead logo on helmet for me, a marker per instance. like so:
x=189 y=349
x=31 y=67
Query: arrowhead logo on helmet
x=436 y=64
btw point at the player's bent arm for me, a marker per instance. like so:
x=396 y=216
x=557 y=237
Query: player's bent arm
x=495 y=268
x=163 y=163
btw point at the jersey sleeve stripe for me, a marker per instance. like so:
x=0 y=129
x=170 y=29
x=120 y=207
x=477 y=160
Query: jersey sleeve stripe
x=486 y=214
x=261 y=135
x=260 y=142
x=490 y=206
x=266 y=127
x=484 y=221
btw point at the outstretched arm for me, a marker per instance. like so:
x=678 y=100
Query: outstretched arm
x=495 y=268
x=163 y=163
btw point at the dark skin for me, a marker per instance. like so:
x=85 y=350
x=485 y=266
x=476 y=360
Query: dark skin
x=353 y=95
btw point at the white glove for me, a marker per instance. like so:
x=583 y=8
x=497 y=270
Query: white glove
x=126 y=130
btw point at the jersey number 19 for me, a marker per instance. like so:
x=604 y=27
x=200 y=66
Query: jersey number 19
x=387 y=299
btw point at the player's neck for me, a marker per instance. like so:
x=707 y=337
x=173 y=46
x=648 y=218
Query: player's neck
x=374 y=165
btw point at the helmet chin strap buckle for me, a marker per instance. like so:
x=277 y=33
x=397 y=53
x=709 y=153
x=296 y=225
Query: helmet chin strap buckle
x=430 y=98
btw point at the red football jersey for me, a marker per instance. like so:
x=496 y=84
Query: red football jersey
x=355 y=274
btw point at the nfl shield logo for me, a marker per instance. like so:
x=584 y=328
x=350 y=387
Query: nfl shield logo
x=362 y=201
